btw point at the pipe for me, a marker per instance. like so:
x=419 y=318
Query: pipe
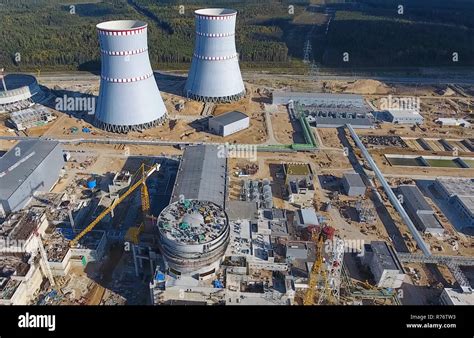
x=388 y=190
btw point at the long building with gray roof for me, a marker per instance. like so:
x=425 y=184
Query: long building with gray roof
x=28 y=167
x=202 y=175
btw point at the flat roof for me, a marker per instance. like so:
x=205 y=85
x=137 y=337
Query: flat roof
x=468 y=202
x=282 y=94
x=458 y=186
x=400 y=113
x=413 y=196
x=385 y=255
x=201 y=175
x=301 y=251
x=429 y=221
x=308 y=216
x=459 y=298
x=241 y=210
x=339 y=122
x=20 y=162
x=354 y=180
x=229 y=117
x=297 y=169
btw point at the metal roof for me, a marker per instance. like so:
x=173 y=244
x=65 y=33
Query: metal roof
x=412 y=196
x=294 y=95
x=308 y=216
x=20 y=161
x=201 y=175
x=354 y=180
x=229 y=117
x=429 y=222
x=402 y=113
x=333 y=122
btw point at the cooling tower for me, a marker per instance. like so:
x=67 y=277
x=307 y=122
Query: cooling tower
x=129 y=98
x=215 y=74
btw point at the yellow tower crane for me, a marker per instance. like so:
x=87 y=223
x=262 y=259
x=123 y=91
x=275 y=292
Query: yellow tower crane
x=318 y=284
x=144 y=196
x=317 y=238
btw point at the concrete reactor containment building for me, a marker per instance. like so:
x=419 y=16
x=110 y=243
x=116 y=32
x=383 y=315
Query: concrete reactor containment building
x=18 y=91
x=215 y=73
x=129 y=98
x=194 y=235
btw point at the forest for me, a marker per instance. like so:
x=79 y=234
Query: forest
x=271 y=34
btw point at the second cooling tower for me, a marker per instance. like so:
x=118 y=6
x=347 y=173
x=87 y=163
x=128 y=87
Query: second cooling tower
x=129 y=98
x=215 y=73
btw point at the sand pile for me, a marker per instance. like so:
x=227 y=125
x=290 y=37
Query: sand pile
x=358 y=87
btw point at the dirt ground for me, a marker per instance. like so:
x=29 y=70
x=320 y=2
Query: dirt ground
x=282 y=126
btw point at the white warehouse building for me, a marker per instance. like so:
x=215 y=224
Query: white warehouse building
x=401 y=116
x=228 y=123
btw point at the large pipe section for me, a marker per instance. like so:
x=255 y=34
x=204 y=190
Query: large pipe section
x=388 y=190
x=215 y=73
x=129 y=98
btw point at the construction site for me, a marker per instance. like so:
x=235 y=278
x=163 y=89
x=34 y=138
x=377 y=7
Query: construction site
x=232 y=188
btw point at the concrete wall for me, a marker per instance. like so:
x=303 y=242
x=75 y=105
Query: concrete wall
x=30 y=283
x=391 y=279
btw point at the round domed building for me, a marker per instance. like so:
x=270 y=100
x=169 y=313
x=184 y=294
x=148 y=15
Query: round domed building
x=194 y=235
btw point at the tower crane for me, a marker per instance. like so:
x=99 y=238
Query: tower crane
x=318 y=274
x=315 y=269
x=145 y=173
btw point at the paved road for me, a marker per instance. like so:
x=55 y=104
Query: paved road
x=449 y=79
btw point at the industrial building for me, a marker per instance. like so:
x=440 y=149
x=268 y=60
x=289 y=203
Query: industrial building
x=28 y=167
x=338 y=119
x=353 y=184
x=228 y=123
x=329 y=110
x=419 y=210
x=19 y=91
x=451 y=296
x=35 y=116
x=20 y=273
x=306 y=217
x=202 y=175
x=18 y=233
x=215 y=73
x=460 y=194
x=384 y=264
x=194 y=235
x=61 y=257
x=449 y=121
x=129 y=98
x=299 y=182
x=400 y=116
x=318 y=99
x=20 y=278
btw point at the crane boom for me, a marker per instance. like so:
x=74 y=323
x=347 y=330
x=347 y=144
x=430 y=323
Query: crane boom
x=116 y=202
